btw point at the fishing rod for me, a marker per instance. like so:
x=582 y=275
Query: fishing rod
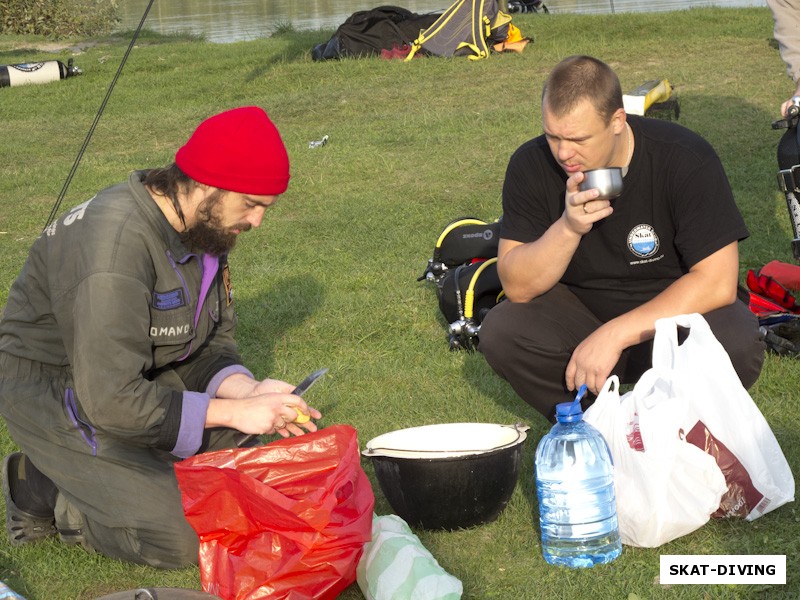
x=71 y=174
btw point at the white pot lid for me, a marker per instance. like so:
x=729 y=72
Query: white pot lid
x=446 y=440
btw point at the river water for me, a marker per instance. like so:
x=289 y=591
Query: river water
x=224 y=21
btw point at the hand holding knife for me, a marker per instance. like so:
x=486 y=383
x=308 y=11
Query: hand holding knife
x=302 y=387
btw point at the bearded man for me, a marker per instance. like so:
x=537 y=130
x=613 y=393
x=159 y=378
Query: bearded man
x=117 y=351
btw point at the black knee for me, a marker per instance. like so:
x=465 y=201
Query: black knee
x=748 y=359
x=493 y=335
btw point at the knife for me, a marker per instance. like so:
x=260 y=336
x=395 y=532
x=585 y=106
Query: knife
x=302 y=387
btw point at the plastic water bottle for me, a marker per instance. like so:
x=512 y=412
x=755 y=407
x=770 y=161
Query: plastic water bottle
x=6 y=593
x=575 y=487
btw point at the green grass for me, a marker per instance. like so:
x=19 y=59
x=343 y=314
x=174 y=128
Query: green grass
x=330 y=277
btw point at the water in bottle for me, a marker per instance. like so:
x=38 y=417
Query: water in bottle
x=575 y=488
x=6 y=593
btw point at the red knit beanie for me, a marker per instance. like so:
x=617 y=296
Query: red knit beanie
x=239 y=150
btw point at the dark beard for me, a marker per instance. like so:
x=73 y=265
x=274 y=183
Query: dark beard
x=206 y=237
x=207 y=234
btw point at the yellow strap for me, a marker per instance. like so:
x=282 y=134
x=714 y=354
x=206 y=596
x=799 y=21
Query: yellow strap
x=414 y=47
x=469 y=297
x=481 y=50
x=455 y=224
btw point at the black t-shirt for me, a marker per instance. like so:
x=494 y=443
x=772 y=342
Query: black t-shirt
x=676 y=209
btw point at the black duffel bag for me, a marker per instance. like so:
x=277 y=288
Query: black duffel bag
x=367 y=32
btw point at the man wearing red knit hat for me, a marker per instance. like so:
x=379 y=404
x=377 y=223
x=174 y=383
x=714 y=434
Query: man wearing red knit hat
x=117 y=355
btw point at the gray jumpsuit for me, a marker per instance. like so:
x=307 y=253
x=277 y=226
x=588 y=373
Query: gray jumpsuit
x=113 y=340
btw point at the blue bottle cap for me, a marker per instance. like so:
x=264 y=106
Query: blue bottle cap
x=569 y=412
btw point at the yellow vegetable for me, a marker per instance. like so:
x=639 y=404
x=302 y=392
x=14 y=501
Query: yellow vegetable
x=301 y=416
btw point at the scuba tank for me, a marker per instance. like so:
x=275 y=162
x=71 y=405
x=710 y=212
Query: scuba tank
x=37 y=72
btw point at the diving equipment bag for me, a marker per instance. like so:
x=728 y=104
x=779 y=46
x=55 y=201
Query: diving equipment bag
x=463 y=269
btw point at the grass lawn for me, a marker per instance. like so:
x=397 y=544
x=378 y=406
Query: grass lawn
x=330 y=277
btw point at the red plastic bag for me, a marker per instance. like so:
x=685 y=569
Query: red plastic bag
x=786 y=274
x=287 y=520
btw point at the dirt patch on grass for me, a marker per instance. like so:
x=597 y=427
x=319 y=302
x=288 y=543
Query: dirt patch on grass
x=16 y=47
x=16 y=44
x=51 y=47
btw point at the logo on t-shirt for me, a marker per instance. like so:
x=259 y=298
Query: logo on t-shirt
x=643 y=241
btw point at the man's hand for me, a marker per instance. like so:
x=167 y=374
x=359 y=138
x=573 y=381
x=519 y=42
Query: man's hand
x=271 y=386
x=583 y=209
x=260 y=407
x=240 y=385
x=263 y=413
x=709 y=284
x=593 y=360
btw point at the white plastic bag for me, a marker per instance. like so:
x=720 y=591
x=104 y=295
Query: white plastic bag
x=723 y=420
x=665 y=487
x=687 y=412
x=396 y=566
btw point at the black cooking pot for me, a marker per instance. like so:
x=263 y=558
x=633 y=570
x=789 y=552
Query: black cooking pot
x=448 y=476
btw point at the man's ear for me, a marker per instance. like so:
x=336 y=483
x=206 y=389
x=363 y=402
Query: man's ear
x=618 y=120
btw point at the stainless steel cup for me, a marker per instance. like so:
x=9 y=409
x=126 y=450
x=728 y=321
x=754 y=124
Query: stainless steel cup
x=607 y=181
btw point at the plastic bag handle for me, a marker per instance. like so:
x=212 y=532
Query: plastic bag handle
x=610 y=391
x=607 y=400
x=665 y=343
